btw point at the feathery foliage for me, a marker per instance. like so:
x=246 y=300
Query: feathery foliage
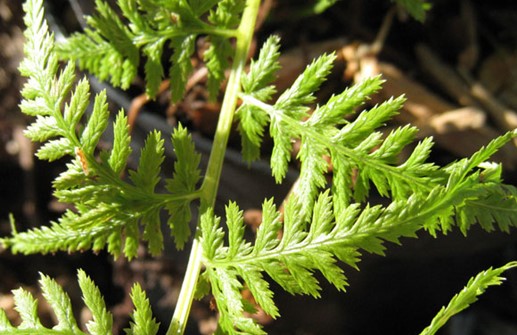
x=474 y=288
x=111 y=49
x=358 y=153
x=100 y=324
x=316 y=245
x=109 y=209
x=326 y=222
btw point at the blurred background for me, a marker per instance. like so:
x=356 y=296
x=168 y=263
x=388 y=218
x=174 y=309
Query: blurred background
x=458 y=70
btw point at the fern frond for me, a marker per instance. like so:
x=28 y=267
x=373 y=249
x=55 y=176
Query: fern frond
x=181 y=64
x=111 y=50
x=121 y=144
x=475 y=287
x=302 y=249
x=147 y=175
x=59 y=301
x=109 y=210
x=292 y=253
x=27 y=307
x=358 y=154
x=97 y=123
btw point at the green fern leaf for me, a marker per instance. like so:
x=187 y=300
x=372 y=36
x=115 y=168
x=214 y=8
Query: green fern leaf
x=98 y=56
x=121 y=144
x=131 y=241
x=55 y=149
x=146 y=177
x=184 y=182
x=153 y=232
x=236 y=231
x=27 y=306
x=226 y=290
x=153 y=66
x=42 y=129
x=267 y=232
x=291 y=105
x=111 y=50
x=359 y=155
x=59 y=301
x=213 y=235
x=102 y=321
x=97 y=123
x=263 y=71
x=109 y=210
x=474 y=288
x=181 y=67
x=306 y=246
x=460 y=168
x=497 y=204
x=143 y=321
x=112 y=29
x=60 y=304
x=302 y=91
x=227 y=13
x=217 y=61
x=120 y=50
x=257 y=83
x=343 y=104
x=78 y=103
x=488 y=192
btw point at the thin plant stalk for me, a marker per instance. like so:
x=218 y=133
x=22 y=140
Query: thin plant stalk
x=209 y=188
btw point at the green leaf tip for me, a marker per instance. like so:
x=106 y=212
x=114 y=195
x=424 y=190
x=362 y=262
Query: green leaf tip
x=143 y=322
x=474 y=288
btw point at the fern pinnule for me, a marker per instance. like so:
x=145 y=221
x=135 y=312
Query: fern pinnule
x=102 y=320
x=143 y=322
x=184 y=182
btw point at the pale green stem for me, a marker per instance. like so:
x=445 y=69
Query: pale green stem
x=211 y=182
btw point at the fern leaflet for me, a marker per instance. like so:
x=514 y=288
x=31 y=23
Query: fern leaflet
x=358 y=154
x=111 y=50
x=108 y=209
x=475 y=287
x=305 y=247
x=101 y=323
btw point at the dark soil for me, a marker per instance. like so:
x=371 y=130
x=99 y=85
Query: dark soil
x=398 y=294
